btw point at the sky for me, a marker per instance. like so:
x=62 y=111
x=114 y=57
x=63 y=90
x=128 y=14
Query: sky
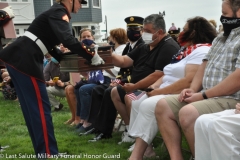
x=176 y=11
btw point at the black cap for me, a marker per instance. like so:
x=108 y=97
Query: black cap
x=134 y=21
x=84 y=2
x=173 y=32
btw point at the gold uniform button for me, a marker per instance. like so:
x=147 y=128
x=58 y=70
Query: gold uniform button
x=84 y=46
x=88 y=49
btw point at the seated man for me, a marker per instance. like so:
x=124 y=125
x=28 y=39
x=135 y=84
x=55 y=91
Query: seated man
x=177 y=76
x=55 y=88
x=215 y=86
x=148 y=61
x=102 y=93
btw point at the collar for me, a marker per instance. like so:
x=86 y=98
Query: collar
x=133 y=44
x=68 y=14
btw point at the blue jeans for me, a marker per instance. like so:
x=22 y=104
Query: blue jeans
x=83 y=95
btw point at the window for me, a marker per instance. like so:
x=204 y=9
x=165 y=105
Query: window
x=96 y=3
x=14 y=0
x=85 y=5
x=24 y=0
x=17 y=31
x=3 y=0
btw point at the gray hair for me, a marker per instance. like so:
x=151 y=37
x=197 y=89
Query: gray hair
x=235 y=6
x=157 y=21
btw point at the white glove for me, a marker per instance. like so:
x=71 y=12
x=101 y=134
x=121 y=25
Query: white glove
x=96 y=60
x=9 y=11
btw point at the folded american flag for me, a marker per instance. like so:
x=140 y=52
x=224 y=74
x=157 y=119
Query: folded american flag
x=136 y=95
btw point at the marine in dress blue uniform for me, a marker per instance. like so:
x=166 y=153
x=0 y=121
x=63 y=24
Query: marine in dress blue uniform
x=24 y=61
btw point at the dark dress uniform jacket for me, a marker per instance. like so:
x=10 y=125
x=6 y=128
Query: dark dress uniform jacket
x=52 y=28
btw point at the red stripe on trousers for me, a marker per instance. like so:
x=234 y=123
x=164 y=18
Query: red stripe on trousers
x=43 y=120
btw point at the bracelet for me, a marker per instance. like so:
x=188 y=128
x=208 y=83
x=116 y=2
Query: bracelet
x=204 y=95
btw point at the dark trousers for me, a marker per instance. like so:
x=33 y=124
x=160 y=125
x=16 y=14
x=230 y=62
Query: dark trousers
x=36 y=110
x=103 y=112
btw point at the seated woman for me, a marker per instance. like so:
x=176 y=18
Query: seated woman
x=74 y=101
x=195 y=42
x=84 y=98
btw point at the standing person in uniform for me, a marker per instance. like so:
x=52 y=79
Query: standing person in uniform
x=25 y=66
x=101 y=94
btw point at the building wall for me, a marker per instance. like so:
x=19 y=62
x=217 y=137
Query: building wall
x=25 y=12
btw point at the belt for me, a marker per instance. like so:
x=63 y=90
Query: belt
x=37 y=41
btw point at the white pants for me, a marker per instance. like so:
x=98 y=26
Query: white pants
x=217 y=136
x=143 y=122
x=53 y=91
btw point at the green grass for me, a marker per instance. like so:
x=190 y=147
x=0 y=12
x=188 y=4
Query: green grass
x=13 y=132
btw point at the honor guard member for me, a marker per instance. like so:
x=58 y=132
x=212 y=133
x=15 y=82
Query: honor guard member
x=174 y=34
x=106 y=113
x=6 y=14
x=24 y=62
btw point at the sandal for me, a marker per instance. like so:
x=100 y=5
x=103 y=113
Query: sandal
x=70 y=121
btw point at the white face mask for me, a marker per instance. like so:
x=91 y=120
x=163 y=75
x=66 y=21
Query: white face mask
x=147 y=37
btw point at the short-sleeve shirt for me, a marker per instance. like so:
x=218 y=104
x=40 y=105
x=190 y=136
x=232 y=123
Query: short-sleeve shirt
x=174 y=72
x=52 y=70
x=223 y=59
x=147 y=62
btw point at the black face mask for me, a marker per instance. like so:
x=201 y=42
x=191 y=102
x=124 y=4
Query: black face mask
x=133 y=35
x=229 y=24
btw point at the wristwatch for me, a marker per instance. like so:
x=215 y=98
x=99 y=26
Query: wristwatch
x=204 y=95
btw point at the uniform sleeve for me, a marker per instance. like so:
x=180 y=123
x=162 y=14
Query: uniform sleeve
x=165 y=56
x=59 y=22
x=4 y=17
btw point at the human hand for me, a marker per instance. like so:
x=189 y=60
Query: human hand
x=185 y=94
x=237 y=110
x=51 y=83
x=194 y=97
x=9 y=11
x=113 y=84
x=129 y=87
x=6 y=79
x=60 y=83
x=97 y=60
x=153 y=92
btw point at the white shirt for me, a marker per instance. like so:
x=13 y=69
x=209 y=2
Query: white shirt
x=174 y=72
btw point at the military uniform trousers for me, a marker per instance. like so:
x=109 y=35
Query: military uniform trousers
x=103 y=112
x=36 y=110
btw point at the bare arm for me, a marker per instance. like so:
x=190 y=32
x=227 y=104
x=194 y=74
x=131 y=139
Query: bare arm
x=228 y=86
x=178 y=86
x=157 y=83
x=196 y=84
x=122 y=61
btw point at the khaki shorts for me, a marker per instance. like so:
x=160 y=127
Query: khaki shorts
x=206 y=106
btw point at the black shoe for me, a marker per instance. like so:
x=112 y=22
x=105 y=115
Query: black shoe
x=83 y=129
x=79 y=125
x=59 y=108
x=91 y=131
x=100 y=137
